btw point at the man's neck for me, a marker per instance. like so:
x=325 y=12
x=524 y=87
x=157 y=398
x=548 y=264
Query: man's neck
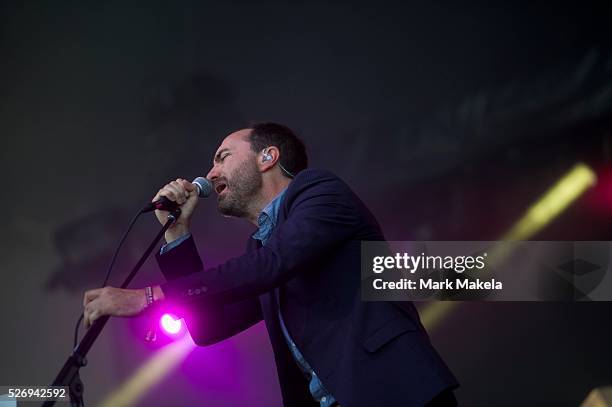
x=268 y=192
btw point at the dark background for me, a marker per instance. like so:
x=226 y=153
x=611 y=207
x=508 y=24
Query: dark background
x=448 y=119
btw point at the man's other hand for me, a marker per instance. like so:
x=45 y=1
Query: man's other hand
x=112 y=301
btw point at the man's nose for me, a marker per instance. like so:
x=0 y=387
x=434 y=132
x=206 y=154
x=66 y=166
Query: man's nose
x=212 y=174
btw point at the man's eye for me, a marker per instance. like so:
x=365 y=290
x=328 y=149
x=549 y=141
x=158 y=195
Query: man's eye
x=223 y=157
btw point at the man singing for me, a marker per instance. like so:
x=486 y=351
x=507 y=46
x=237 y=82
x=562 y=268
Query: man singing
x=301 y=275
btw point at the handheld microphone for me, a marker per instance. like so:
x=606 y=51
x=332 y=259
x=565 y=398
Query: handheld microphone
x=203 y=186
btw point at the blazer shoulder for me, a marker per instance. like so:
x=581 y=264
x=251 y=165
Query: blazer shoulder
x=313 y=182
x=314 y=176
x=310 y=173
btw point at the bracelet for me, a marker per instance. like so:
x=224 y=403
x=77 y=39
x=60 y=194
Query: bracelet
x=151 y=335
x=149 y=294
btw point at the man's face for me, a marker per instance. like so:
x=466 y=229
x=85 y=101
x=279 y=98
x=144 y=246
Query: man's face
x=235 y=175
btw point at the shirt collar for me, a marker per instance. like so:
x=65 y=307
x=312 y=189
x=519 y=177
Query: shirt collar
x=266 y=221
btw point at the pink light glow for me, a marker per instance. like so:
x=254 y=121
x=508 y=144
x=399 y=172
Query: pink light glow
x=170 y=324
x=599 y=198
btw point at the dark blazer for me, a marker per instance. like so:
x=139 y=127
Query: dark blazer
x=366 y=353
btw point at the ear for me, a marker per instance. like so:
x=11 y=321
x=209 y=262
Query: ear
x=268 y=158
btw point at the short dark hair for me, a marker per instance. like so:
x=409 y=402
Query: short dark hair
x=293 y=157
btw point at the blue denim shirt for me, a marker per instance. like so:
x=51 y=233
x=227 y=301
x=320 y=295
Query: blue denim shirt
x=266 y=222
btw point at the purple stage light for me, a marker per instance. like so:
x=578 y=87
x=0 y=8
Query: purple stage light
x=170 y=324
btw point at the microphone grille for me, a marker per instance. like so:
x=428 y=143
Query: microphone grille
x=204 y=186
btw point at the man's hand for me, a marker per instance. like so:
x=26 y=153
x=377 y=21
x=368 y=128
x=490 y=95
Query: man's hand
x=184 y=194
x=114 y=302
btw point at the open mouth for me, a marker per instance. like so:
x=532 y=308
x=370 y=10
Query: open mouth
x=220 y=187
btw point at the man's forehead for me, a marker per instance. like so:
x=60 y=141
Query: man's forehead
x=235 y=139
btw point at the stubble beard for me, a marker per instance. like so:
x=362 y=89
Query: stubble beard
x=242 y=187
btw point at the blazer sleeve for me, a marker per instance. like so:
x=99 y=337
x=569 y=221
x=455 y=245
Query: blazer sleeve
x=322 y=215
x=180 y=261
x=207 y=324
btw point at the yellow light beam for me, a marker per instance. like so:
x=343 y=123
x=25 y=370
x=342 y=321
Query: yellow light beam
x=554 y=201
x=150 y=373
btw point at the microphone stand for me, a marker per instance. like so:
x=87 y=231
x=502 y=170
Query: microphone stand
x=69 y=374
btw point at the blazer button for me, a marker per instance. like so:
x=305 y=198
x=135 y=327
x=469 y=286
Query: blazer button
x=204 y=288
x=198 y=291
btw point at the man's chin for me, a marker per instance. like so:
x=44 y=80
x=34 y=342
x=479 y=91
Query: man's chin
x=221 y=202
x=223 y=210
x=226 y=209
